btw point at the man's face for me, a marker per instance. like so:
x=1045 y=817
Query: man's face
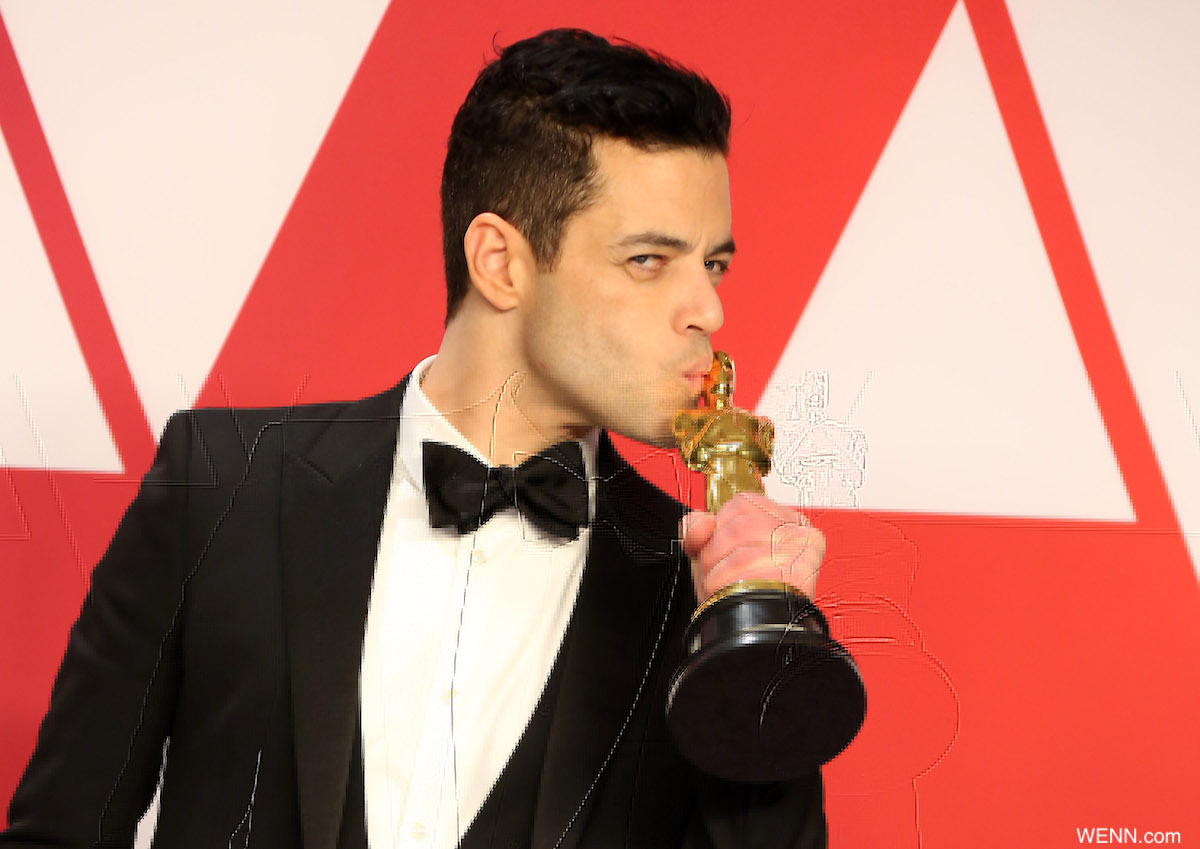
x=617 y=334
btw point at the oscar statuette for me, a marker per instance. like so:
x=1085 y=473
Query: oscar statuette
x=763 y=692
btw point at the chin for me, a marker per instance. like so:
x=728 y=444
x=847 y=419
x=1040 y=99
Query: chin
x=650 y=418
x=657 y=434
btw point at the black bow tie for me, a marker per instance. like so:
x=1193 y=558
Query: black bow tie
x=549 y=489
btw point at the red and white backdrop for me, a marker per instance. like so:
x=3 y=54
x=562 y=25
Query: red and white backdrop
x=966 y=290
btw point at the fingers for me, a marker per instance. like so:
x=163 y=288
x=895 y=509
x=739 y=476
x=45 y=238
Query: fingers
x=793 y=558
x=754 y=538
x=746 y=518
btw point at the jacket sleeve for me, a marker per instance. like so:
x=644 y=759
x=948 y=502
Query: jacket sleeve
x=100 y=746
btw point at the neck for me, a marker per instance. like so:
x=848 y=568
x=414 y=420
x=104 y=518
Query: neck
x=479 y=384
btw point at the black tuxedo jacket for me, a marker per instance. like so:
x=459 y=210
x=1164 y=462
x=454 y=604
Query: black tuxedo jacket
x=220 y=643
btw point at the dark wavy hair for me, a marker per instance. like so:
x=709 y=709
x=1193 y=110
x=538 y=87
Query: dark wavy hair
x=520 y=145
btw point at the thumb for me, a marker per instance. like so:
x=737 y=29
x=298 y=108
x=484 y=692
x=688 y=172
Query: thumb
x=695 y=530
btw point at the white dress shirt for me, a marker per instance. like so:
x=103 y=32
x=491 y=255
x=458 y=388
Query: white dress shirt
x=462 y=632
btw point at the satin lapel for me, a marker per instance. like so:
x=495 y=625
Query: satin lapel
x=335 y=478
x=630 y=579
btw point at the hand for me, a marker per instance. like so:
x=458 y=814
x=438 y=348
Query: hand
x=751 y=537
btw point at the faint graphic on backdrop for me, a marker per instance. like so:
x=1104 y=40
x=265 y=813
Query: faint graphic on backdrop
x=824 y=460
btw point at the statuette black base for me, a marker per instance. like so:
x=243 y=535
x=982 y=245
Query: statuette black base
x=764 y=693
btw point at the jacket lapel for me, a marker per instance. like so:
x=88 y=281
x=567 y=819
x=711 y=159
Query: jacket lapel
x=630 y=583
x=334 y=482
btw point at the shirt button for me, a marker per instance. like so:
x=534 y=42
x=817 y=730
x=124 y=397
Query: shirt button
x=448 y=695
x=478 y=556
x=420 y=831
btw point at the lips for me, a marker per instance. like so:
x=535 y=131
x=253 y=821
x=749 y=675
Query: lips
x=696 y=374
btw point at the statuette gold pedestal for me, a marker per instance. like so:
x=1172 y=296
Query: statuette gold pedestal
x=763 y=693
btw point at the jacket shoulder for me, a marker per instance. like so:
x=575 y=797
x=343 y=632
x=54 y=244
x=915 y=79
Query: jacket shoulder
x=225 y=438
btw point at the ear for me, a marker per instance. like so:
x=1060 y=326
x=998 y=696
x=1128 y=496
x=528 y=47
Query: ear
x=499 y=260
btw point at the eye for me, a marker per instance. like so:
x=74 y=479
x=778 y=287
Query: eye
x=648 y=262
x=718 y=268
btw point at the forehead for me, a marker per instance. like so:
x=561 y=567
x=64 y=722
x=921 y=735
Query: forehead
x=675 y=189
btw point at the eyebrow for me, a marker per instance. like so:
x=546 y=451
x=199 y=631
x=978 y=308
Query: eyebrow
x=659 y=239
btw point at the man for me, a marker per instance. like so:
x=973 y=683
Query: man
x=355 y=623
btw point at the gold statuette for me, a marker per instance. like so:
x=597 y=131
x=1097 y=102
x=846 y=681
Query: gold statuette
x=731 y=447
x=763 y=693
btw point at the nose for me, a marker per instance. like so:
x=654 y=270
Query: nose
x=700 y=308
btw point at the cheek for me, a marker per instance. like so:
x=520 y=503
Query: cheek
x=570 y=341
x=600 y=332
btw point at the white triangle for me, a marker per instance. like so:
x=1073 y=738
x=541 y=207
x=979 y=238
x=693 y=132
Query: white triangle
x=49 y=413
x=182 y=132
x=941 y=329
x=1117 y=85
